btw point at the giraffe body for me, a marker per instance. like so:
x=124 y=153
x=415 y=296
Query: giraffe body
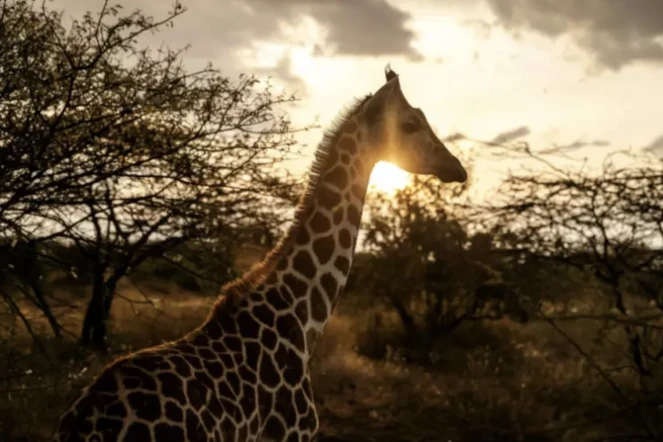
x=243 y=375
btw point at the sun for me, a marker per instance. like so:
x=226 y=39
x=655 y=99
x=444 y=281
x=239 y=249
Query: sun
x=388 y=178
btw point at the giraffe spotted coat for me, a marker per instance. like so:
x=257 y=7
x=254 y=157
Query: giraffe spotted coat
x=243 y=375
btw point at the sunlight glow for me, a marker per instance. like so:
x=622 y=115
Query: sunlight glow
x=388 y=178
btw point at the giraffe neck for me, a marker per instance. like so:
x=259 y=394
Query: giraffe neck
x=303 y=276
x=314 y=270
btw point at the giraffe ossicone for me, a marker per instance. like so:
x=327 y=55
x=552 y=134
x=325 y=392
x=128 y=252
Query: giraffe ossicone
x=243 y=374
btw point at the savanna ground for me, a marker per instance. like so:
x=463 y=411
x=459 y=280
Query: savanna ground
x=484 y=381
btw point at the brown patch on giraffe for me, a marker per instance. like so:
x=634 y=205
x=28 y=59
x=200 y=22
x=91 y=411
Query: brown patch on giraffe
x=294 y=371
x=195 y=431
x=196 y=393
x=358 y=191
x=268 y=339
x=265 y=402
x=106 y=383
x=347 y=144
x=300 y=401
x=227 y=360
x=109 y=428
x=238 y=359
x=232 y=343
x=268 y=373
x=303 y=263
x=205 y=380
x=350 y=126
x=345 y=158
x=332 y=157
x=353 y=173
x=343 y=264
x=168 y=432
x=182 y=368
x=228 y=429
x=234 y=382
x=117 y=409
x=206 y=354
x=241 y=433
x=338 y=177
x=254 y=425
x=329 y=285
x=138 y=431
x=347 y=196
x=284 y=401
x=208 y=420
x=213 y=330
x=264 y=314
x=282 y=263
x=200 y=340
x=354 y=216
x=215 y=369
x=145 y=405
x=318 y=306
x=274 y=298
x=252 y=352
x=286 y=294
x=227 y=322
x=329 y=198
x=133 y=378
x=281 y=357
x=319 y=223
x=301 y=310
x=344 y=238
x=217 y=347
x=248 y=326
x=298 y=287
x=303 y=237
x=274 y=428
x=288 y=327
x=173 y=412
x=339 y=214
x=225 y=391
x=248 y=400
x=172 y=387
x=324 y=248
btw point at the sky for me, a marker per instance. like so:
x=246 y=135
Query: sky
x=586 y=74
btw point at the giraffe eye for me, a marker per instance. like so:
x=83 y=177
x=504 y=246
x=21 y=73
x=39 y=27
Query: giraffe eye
x=409 y=127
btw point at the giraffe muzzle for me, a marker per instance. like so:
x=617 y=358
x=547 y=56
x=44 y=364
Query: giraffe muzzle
x=451 y=171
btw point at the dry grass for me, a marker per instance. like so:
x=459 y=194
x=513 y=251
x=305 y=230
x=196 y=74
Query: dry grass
x=489 y=382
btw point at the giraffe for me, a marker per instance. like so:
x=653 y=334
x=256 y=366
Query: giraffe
x=243 y=375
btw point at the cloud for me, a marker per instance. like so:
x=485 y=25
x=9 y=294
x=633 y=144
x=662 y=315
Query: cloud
x=228 y=33
x=614 y=32
x=656 y=146
x=511 y=135
x=354 y=28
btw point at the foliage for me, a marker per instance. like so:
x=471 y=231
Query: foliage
x=426 y=264
x=119 y=150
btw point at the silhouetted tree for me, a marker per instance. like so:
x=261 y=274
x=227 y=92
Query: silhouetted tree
x=119 y=150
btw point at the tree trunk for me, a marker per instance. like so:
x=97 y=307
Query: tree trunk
x=93 y=334
x=406 y=318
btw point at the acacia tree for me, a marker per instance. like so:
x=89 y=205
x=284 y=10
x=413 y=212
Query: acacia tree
x=606 y=223
x=120 y=150
x=431 y=270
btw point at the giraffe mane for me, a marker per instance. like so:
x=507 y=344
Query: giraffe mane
x=232 y=291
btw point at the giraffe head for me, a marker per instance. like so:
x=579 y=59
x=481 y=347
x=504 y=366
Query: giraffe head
x=400 y=134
